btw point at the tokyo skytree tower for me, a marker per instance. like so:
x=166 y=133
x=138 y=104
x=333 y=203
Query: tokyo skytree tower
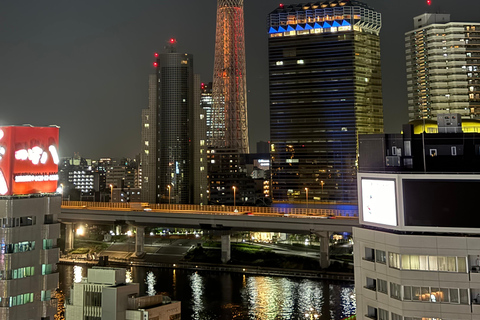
x=229 y=116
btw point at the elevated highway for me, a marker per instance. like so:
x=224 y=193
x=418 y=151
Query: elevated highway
x=288 y=220
x=219 y=219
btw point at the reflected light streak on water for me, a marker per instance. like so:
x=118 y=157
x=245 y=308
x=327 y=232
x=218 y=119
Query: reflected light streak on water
x=278 y=298
x=349 y=301
x=310 y=296
x=342 y=300
x=196 y=283
x=223 y=296
x=77 y=274
x=128 y=276
x=151 y=281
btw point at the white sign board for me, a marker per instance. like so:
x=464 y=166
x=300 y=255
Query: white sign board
x=378 y=201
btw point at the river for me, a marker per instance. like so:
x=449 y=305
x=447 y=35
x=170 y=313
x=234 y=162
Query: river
x=216 y=295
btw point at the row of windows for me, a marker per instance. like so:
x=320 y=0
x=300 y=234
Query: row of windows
x=417 y=262
x=18 y=222
x=18 y=247
x=382 y=314
x=424 y=294
x=17 y=273
x=427 y=263
x=16 y=300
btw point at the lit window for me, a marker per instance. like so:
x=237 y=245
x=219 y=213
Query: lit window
x=279 y=63
x=147 y=125
x=300 y=62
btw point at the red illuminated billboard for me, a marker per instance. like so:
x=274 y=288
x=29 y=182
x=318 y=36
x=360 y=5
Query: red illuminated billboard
x=28 y=160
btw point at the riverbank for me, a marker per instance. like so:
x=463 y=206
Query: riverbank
x=208 y=267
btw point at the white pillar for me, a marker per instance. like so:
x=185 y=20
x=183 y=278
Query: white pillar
x=140 y=241
x=226 y=248
x=69 y=236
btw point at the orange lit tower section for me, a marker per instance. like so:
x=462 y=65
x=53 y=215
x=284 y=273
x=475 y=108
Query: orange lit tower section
x=229 y=117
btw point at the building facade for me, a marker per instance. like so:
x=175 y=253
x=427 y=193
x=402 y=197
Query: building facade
x=442 y=67
x=105 y=294
x=417 y=254
x=206 y=101
x=173 y=133
x=29 y=208
x=229 y=125
x=325 y=90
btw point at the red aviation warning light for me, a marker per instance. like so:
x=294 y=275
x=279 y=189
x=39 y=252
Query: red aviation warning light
x=172 y=40
x=155 y=64
x=429 y=2
x=281 y=5
x=156 y=55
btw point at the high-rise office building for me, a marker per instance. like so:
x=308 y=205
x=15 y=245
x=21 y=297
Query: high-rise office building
x=325 y=89
x=173 y=133
x=29 y=207
x=229 y=118
x=206 y=102
x=443 y=67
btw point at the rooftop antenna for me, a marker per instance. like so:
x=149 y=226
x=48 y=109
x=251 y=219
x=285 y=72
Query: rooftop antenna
x=171 y=46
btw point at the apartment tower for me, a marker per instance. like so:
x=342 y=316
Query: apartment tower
x=443 y=67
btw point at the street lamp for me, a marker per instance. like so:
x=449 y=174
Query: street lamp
x=111 y=193
x=306 y=195
x=169 y=187
x=234 y=196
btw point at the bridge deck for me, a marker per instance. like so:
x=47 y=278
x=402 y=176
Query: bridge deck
x=222 y=220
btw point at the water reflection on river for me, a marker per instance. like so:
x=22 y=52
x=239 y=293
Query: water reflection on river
x=213 y=296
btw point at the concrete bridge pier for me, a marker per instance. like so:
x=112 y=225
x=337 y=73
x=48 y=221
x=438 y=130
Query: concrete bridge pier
x=324 y=249
x=226 y=248
x=140 y=241
x=69 y=236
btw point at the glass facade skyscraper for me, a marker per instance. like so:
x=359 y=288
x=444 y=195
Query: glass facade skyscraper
x=176 y=123
x=325 y=89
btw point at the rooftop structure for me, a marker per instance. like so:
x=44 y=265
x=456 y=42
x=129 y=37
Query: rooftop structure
x=105 y=294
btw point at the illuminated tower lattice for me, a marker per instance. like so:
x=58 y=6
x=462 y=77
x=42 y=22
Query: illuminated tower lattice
x=229 y=118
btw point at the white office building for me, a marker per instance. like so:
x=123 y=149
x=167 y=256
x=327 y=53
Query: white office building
x=443 y=67
x=29 y=253
x=105 y=295
x=417 y=254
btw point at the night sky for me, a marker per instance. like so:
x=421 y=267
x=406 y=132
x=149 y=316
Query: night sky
x=84 y=65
